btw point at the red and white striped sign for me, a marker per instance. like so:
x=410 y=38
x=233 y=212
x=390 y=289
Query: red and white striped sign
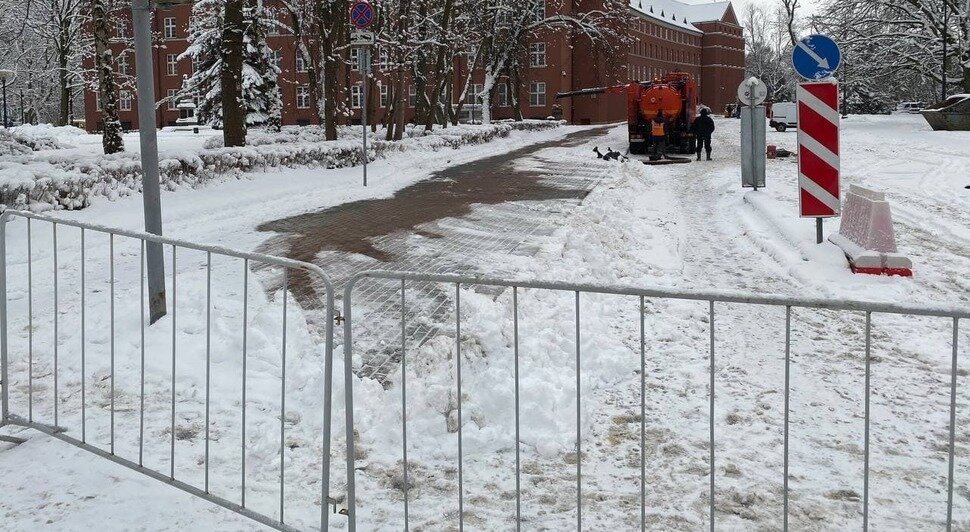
x=818 y=150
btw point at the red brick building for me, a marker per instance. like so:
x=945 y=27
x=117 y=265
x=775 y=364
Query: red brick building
x=667 y=35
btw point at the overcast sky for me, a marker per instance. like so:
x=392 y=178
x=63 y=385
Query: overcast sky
x=806 y=7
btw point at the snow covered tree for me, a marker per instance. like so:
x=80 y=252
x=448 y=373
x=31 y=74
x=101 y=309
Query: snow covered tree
x=107 y=91
x=217 y=40
x=893 y=37
x=506 y=27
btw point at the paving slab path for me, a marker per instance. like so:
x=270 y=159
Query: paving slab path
x=495 y=205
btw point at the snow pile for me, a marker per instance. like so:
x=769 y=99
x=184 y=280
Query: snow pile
x=37 y=138
x=68 y=182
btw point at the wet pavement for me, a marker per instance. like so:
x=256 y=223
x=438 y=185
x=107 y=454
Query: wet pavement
x=495 y=205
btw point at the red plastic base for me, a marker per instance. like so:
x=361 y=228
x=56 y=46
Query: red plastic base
x=902 y=272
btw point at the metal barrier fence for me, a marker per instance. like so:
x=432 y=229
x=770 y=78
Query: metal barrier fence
x=643 y=294
x=34 y=376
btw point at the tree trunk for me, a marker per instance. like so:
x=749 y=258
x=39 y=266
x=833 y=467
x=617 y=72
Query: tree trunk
x=233 y=106
x=65 y=91
x=514 y=86
x=400 y=106
x=111 y=139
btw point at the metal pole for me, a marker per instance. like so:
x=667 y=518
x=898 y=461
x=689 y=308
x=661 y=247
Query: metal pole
x=4 y=407
x=819 y=238
x=4 y=102
x=141 y=13
x=365 y=69
x=754 y=143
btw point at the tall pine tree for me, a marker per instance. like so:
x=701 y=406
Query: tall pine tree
x=260 y=90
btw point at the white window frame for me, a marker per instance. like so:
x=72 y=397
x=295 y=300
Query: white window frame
x=278 y=59
x=537 y=55
x=299 y=63
x=124 y=101
x=169 y=25
x=171 y=64
x=123 y=64
x=171 y=99
x=355 y=59
x=356 y=96
x=385 y=95
x=538 y=11
x=502 y=95
x=473 y=91
x=121 y=29
x=303 y=97
x=537 y=97
x=97 y=101
x=412 y=95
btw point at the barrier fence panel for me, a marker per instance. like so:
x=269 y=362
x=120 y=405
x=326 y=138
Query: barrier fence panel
x=200 y=399
x=393 y=504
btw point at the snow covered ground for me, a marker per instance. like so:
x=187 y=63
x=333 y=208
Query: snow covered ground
x=685 y=226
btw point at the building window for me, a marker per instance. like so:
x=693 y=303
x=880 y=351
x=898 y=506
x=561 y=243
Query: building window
x=355 y=59
x=537 y=54
x=273 y=27
x=300 y=64
x=171 y=64
x=383 y=58
x=538 y=10
x=121 y=28
x=123 y=64
x=537 y=94
x=412 y=96
x=97 y=101
x=169 y=27
x=277 y=58
x=384 y=95
x=303 y=97
x=471 y=98
x=171 y=100
x=503 y=95
x=124 y=101
x=356 y=96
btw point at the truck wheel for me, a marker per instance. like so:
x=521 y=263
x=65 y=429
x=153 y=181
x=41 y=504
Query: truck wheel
x=781 y=128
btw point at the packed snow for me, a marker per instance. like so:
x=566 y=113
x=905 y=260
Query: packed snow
x=681 y=226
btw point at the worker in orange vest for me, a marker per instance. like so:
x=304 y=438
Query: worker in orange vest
x=658 y=136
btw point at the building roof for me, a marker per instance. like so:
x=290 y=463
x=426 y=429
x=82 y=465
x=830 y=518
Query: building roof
x=682 y=14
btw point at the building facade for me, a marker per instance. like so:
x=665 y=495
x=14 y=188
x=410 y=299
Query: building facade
x=704 y=40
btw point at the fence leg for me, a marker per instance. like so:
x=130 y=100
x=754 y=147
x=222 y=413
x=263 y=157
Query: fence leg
x=953 y=425
x=865 y=473
x=349 y=408
x=711 y=318
x=5 y=400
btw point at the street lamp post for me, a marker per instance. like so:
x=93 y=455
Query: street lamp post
x=6 y=76
x=141 y=14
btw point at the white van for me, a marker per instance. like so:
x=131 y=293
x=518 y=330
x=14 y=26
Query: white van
x=783 y=116
x=909 y=108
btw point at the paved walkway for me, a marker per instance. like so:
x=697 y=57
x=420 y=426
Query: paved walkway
x=490 y=206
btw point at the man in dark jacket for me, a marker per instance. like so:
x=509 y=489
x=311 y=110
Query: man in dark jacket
x=658 y=136
x=703 y=129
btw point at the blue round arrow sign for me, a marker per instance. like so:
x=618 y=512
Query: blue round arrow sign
x=361 y=14
x=816 y=57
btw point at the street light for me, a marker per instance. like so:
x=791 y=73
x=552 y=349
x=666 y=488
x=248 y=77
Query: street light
x=6 y=76
x=141 y=14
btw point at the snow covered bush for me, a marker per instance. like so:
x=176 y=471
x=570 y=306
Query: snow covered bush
x=68 y=182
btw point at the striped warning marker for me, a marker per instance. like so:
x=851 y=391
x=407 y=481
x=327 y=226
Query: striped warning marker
x=818 y=150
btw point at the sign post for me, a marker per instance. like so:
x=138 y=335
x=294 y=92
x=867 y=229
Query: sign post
x=752 y=93
x=362 y=16
x=816 y=58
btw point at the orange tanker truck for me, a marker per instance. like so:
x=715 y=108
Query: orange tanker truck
x=675 y=95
